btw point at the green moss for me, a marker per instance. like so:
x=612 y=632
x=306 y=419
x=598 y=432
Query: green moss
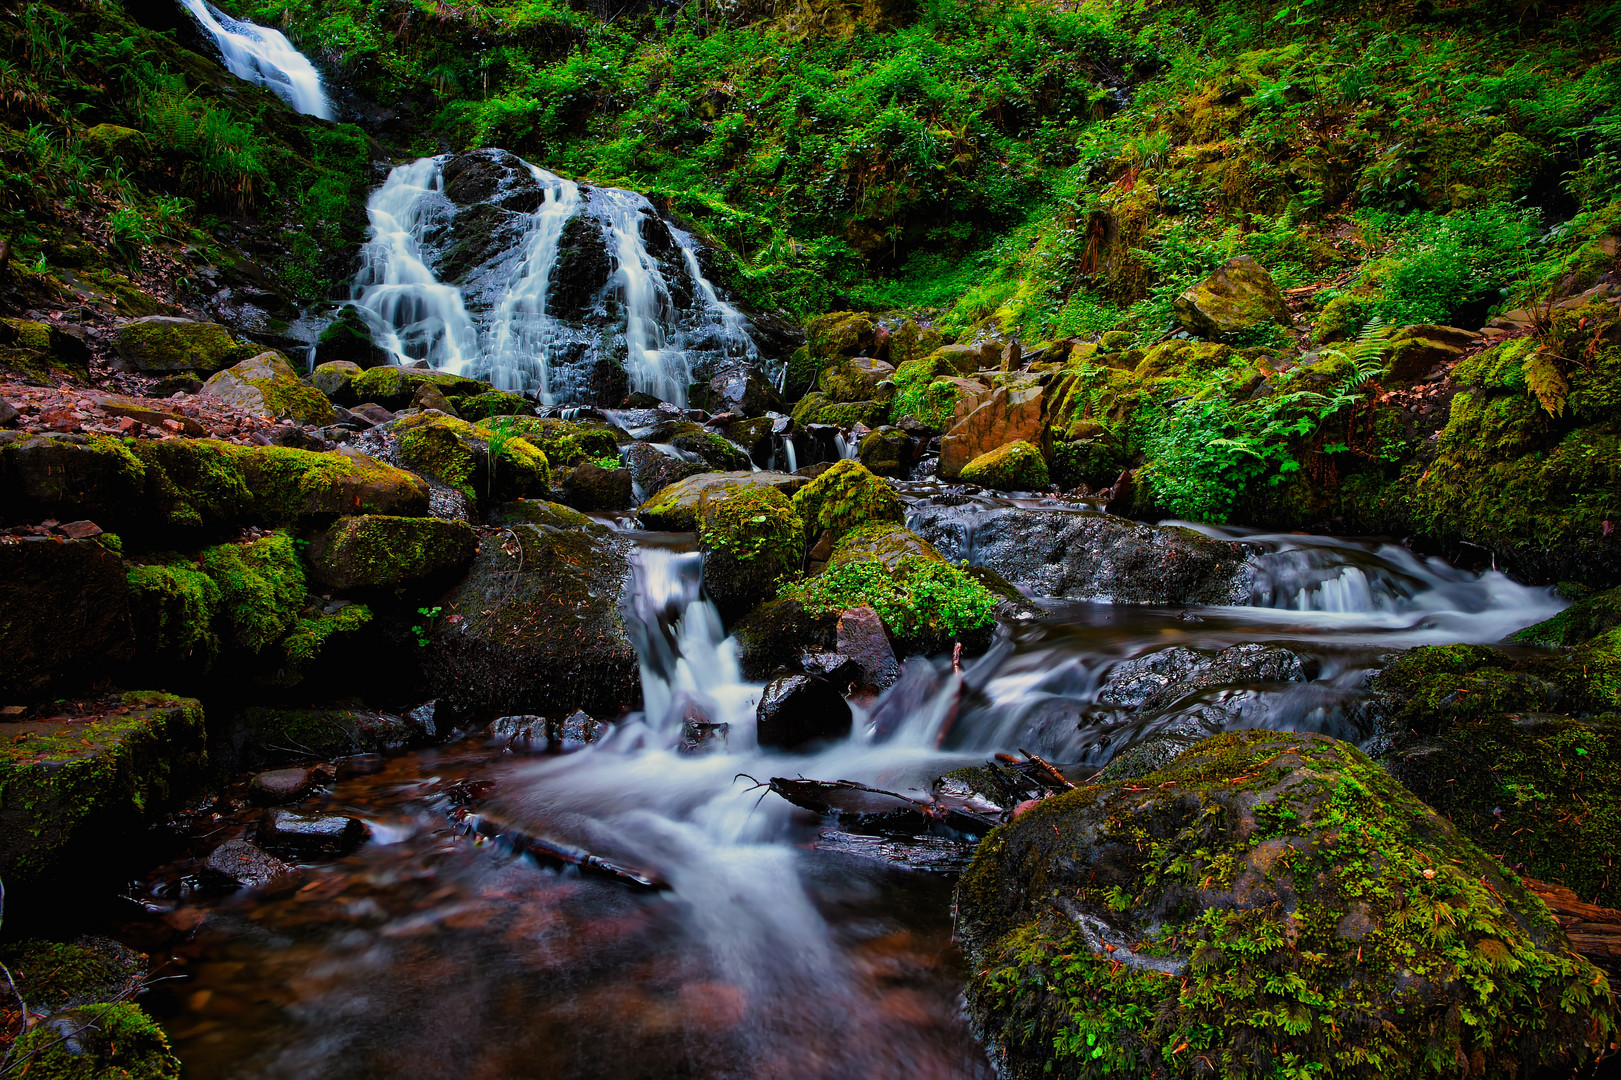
x=394 y=387
x=373 y=550
x=114 y=1042
x=261 y=588
x=162 y=345
x=476 y=460
x=838 y=334
x=924 y=390
x=752 y=539
x=310 y=634
x=883 y=542
x=1581 y=621
x=848 y=414
x=846 y=497
x=1015 y=466
x=195 y=482
x=290 y=484
x=1438 y=685
x=566 y=443
x=1540 y=792
x=172 y=609
x=491 y=404
x=925 y=603
x=52 y=976
x=1273 y=904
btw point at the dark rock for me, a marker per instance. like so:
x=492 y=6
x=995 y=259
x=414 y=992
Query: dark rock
x=653 y=469
x=310 y=834
x=7 y=414
x=1147 y=755
x=66 y=619
x=887 y=451
x=265 y=735
x=170 y=385
x=591 y=487
x=536 y=626
x=376 y=414
x=250 y=866
x=798 y=710
x=281 y=786
x=348 y=339
x=378 y=551
x=861 y=637
x=1081 y=555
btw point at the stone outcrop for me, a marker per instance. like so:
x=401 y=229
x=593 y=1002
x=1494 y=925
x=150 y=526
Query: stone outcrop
x=1239 y=295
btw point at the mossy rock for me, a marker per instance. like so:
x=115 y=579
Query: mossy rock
x=52 y=976
x=477 y=461
x=846 y=497
x=267 y=385
x=770 y=638
x=72 y=790
x=588 y=486
x=847 y=414
x=376 y=551
x=1016 y=466
x=162 y=344
x=64 y=615
x=537 y=626
x=68 y=477
x=1238 y=296
x=321 y=635
x=751 y=539
x=926 y=390
x=883 y=542
x=110 y=141
x=911 y=340
x=1580 y=622
x=1268 y=898
x=839 y=334
x=1541 y=792
x=267 y=735
x=261 y=589
x=289 y=485
x=347 y=339
x=492 y=403
x=334 y=379
x=695 y=439
x=858 y=379
x=98 y=1042
x=886 y=451
x=926 y=604
x=394 y=387
x=566 y=443
x=172 y=610
x=679 y=507
x=1428 y=689
x=42 y=353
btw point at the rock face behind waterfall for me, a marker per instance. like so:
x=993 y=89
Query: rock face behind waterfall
x=1269 y=897
x=625 y=304
x=1084 y=555
x=536 y=626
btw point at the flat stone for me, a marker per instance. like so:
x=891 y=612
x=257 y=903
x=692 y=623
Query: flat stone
x=147 y=413
x=249 y=865
x=280 y=786
x=310 y=834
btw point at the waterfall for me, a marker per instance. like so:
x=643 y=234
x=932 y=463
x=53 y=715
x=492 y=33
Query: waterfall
x=657 y=315
x=264 y=57
x=411 y=313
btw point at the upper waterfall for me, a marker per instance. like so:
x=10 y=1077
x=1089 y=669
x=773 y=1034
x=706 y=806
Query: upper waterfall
x=265 y=57
x=488 y=266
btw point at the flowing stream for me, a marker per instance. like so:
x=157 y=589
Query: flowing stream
x=658 y=315
x=772 y=952
x=263 y=56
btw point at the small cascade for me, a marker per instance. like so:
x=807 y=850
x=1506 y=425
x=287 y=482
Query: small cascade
x=568 y=287
x=410 y=312
x=264 y=57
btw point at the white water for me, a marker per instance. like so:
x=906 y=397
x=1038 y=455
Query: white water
x=264 y=57
x=415 y=316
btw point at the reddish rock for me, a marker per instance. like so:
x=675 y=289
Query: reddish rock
x=1008 y=415
x=861 y=637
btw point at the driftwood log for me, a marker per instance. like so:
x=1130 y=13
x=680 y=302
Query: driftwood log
x=1594 y=931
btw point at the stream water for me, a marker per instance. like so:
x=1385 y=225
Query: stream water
x=429 y=954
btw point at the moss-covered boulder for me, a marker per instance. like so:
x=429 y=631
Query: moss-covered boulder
x=261 y=589
x=53 y=976
x=1415 y=351
x=41 y=353
x=394 y=387
x=478 y=461
x=1239 y=295
x=815 y=408
x=490 y=404
x=64 y=614
x=347 y=339
x=289 y=485
x=1541 y=792
x=845 y=497
x=267 y=385
x=113 y=141
x=679 y=507
x=886 y=451
x=333 y=379
x=172 y=609
x=1269 y=899
x=98 y=1042
x=857 y=379
x=1017 y=466
x=926 y=604
x=378 y=551
x=695 y=440
x=75 y=786
x=840 y=334
x=567 y=443
x=536 y=625
x=589 y=486
x=264 y=735
x=1582 y=621
x=751 y=539
x=67 y=477
x=883 y=542
x=162 y=344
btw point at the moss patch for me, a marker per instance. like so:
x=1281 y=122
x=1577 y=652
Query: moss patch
x=261 y=588
x=846 y=497
x=172 y=609
x=113 y=1042
x=1016 y=466
x=925 y=603
x=751 y=538
x=377 y=551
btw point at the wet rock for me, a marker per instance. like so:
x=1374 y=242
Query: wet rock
x=679 y=507
x=699 y=733
x=1112 y=900
x=163 y=344
x=796 y=711
x=572 y=732
x=536 y=626
x=1083 y=555
x=375 y=551
x=1239 y=295
x=1132 y=682
x=278 y=787
x=1251 y=662
x=471 y=459
x=98 y=1040
x=1017 y=466
x=395 y=387
x=249 y=865
x=773 y=636
x=857 y=379
x=751 y=539
x=266 y=385
x=887 y=451
x=1147 y=755
x=66 y=614
x=736 y=388
x=860 y=636
x=263 y=735
x=82 y=782
x=307 y=835
x=348 y=340
x=1010 y=414
x=653 y=468
x=591 y=487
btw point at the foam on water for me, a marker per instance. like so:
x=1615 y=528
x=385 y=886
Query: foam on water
x=264 y=57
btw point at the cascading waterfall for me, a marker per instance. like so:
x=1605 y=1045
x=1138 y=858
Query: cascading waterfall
x=264 y=57
x=512 y=338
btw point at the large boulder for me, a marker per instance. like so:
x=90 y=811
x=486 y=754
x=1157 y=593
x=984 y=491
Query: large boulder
x=1268 y=898
x=1084 y=555
x=735 y=387
x=77 y=784
x=798 y=711
x=1017 y=466
x=846 y=497
x=1008 y=414
x=588 y=486
x=751 y=539
x=64 y=614
x=536 y=626
x=1416 y=351
x=394 y=388
x=857 y=379
x=267 y=385
x=347 y=339
x=886 y=451
x=379 y=551
x=1239 y=295
x=163 y=344
x=477 y=460
x=679 y=507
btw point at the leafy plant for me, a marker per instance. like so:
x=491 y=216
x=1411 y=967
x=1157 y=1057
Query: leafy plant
x=422 y=629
